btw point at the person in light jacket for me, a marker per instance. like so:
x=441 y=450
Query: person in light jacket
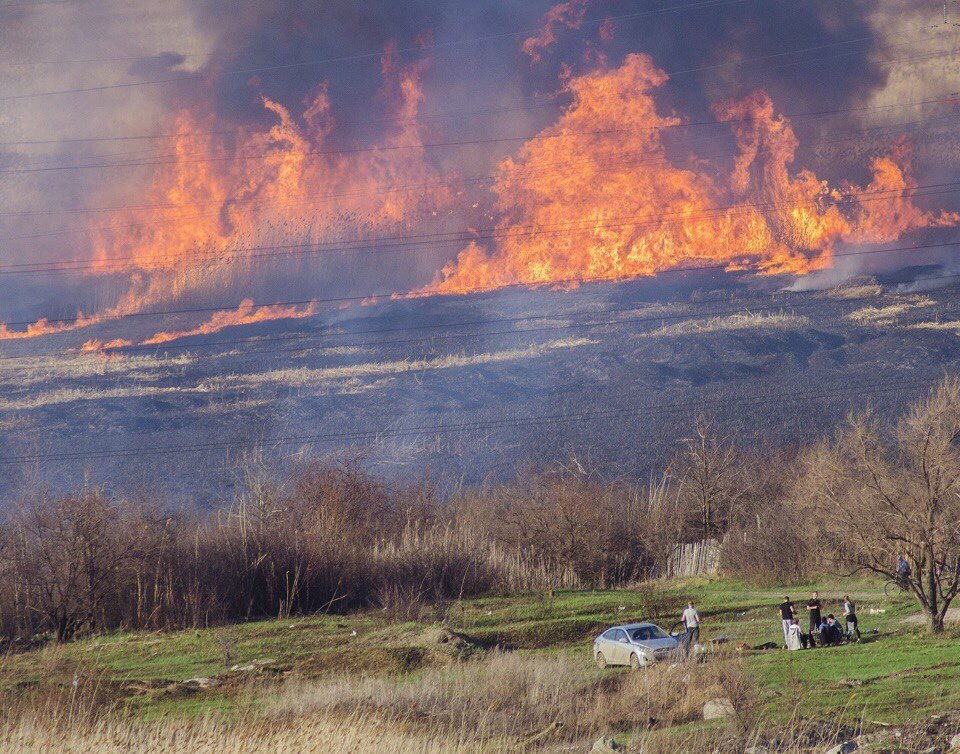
x=794 y=636
x=691 y=621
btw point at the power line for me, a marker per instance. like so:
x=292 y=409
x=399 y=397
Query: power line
x=444 y=116
x=475 y=113
x=376 y=244
x=122 y=350
x=702 y=4
x=469 y=142
x=541 y=420
x=895 y=194
x=392 y=295
x=297 y=340
x=475 y=142
x=943 y=122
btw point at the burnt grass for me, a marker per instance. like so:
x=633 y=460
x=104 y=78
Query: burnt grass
x=613 y=374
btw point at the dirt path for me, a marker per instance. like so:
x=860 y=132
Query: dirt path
x=953 y=616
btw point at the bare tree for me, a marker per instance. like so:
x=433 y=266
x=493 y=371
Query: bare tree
x=708 y=472
x=887 y=493
x=68 y=555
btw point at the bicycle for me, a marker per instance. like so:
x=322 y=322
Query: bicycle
x=895 y=588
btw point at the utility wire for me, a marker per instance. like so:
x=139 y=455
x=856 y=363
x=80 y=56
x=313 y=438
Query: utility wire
x=519 y=108
x=376 y=245
x=948 y=122
x=704 y=4
x=540 y=135
x=542 y=420
x=234 y=342
x=301 y=343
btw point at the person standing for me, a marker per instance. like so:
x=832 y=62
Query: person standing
x=814 y=607
x=787 y=613
x=691 y=620
x=850 y=618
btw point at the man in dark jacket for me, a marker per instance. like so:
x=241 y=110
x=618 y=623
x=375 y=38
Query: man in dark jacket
x=830 y=632
x=814 y=607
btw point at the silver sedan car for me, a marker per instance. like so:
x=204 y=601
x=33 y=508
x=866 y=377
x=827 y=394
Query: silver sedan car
x=636 y=645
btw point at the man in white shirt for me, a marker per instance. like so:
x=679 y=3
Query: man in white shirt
x=691 y=619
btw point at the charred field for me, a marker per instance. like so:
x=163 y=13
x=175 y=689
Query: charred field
x=475 y=387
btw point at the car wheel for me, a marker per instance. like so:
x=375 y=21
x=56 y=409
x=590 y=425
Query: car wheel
x=635 y=662
x=601 y=661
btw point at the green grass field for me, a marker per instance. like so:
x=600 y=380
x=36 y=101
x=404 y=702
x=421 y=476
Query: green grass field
x=895 y=675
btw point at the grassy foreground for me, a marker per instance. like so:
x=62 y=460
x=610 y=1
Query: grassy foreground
x=318 y=670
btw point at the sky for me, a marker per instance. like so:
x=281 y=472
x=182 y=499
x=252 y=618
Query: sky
x=491 y=73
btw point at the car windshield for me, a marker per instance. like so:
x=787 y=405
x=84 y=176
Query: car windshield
x=646 y=633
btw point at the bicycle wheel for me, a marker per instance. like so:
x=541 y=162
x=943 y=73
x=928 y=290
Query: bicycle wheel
x=892 y=589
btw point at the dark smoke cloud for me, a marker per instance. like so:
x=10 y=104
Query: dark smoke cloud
x=222 y=40
x=251 y=35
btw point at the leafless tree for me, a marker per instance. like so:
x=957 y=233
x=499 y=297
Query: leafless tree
x=67 y=555
x=708 y=474
x=888 y=492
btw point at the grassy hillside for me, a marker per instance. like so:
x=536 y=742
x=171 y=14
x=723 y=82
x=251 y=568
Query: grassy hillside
x=895 y=676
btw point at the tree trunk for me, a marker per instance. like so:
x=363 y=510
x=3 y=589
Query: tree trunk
x=934 y=615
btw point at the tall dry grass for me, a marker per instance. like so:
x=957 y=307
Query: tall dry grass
x=355 y=733
x=504 y=702
x=516 y=697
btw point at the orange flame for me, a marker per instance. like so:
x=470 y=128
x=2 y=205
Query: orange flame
x=572 y=209
x=211 y=202
x=245 y=314
x=46 y=327
x=98 y=345
x=593 y=197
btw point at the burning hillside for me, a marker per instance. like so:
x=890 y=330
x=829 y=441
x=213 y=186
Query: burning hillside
x=597 y=195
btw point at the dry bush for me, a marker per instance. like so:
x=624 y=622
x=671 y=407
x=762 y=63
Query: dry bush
x=771 y=536
x=776 y=550
x=566 y=519
x=330 y=537
x=68 y=563
x=712 y=481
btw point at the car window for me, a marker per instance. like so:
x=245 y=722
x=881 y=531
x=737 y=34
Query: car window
x=620 y=635
x=610 y=635
x=648 y=633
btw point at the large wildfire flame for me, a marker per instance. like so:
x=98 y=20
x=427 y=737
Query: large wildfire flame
x=593 y=197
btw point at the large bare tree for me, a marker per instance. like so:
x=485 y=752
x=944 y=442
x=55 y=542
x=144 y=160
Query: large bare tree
x=709 y=475
x=891 y=491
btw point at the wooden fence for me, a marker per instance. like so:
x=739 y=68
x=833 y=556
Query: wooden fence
x=695 y=559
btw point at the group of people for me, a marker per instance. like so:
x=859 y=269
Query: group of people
x=822 y=632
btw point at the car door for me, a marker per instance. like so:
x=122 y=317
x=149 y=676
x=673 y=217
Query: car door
x=607 y=645
x=621 y=644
